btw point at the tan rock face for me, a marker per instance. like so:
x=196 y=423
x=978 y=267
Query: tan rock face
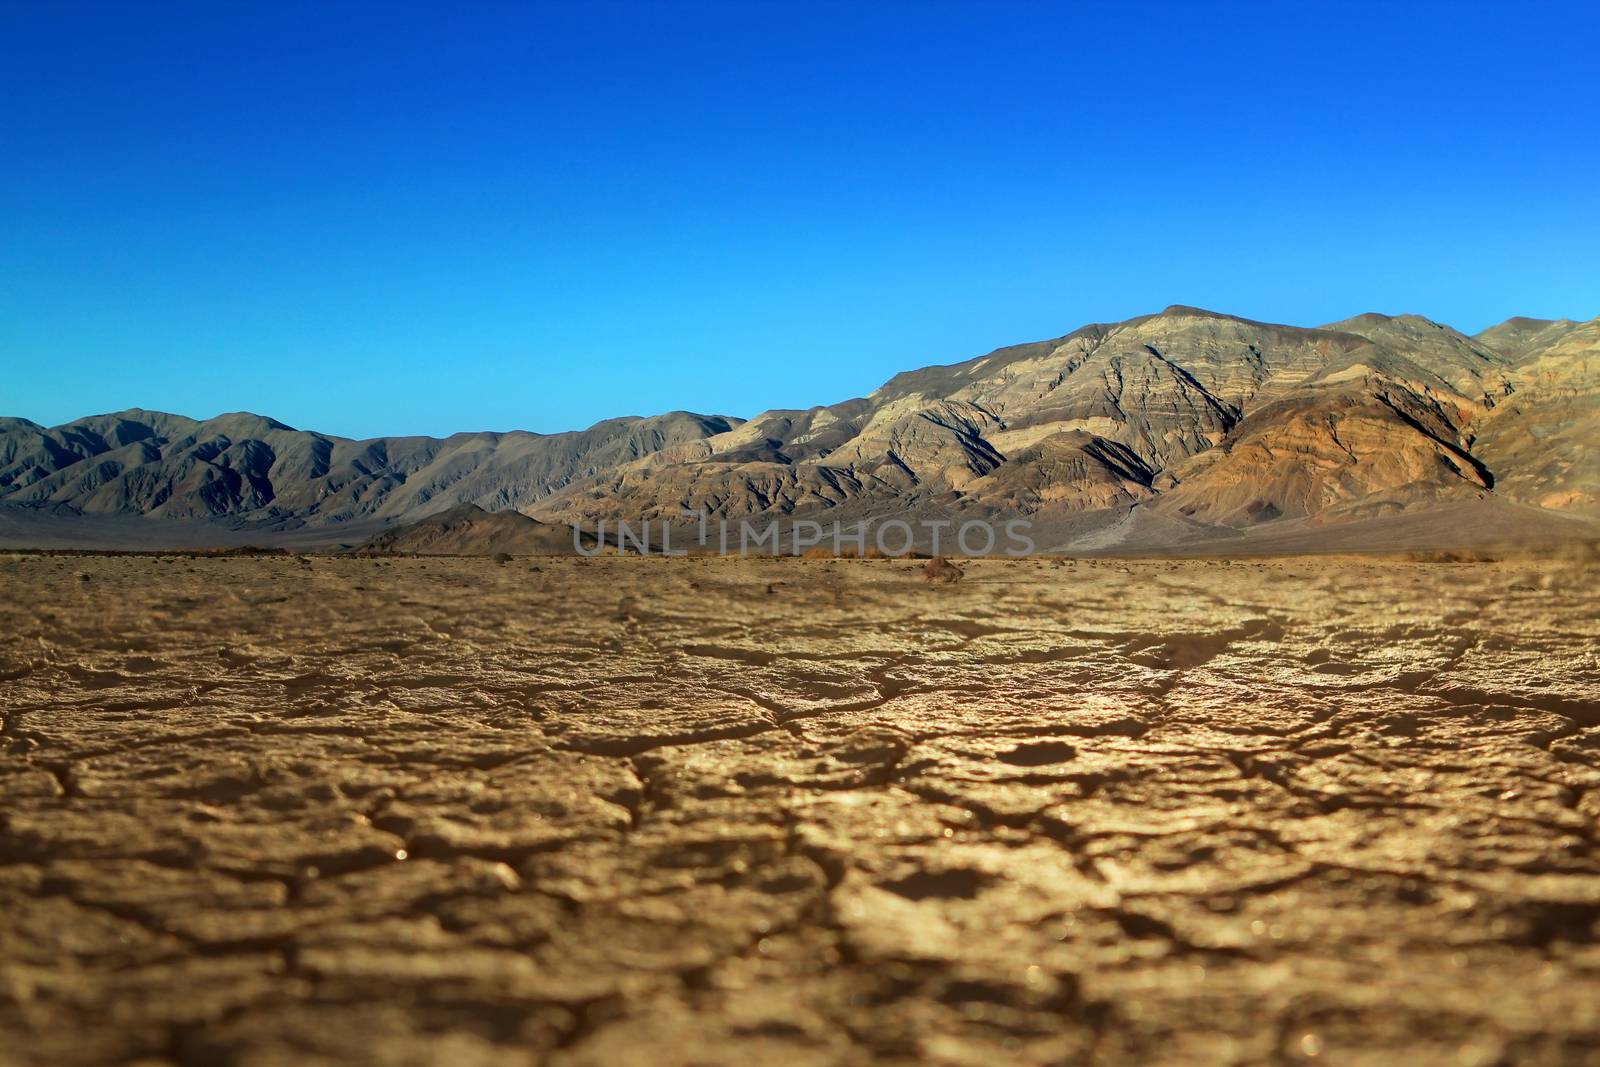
x=267 y=811
x=1545 y=437
x=1336 y=446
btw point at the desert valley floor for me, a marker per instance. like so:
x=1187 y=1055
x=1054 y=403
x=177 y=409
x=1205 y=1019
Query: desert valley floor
x=273 y=810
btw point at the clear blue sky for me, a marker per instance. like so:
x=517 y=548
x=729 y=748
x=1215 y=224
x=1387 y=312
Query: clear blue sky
x=396 y=218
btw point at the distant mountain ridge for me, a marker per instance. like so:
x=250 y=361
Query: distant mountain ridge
x=246 y=466
x=1208 y=419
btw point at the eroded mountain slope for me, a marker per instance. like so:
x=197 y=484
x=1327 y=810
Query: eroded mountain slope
x=150 y=463
x=1215 y=419
x=1545 y=438
x=1222 y=419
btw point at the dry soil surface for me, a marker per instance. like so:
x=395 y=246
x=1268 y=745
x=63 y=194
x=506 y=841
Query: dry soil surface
x=622 y=811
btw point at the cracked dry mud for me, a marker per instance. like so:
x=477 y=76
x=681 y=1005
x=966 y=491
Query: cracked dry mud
x=622 y=811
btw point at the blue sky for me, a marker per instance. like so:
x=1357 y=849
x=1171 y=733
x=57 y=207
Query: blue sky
x=394 y=218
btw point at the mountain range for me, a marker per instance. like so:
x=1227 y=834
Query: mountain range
x=1165 y=427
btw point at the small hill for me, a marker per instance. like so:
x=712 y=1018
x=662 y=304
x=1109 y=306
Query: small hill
x=468 y=530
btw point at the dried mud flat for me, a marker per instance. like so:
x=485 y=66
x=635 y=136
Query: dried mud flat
x=271 y=811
